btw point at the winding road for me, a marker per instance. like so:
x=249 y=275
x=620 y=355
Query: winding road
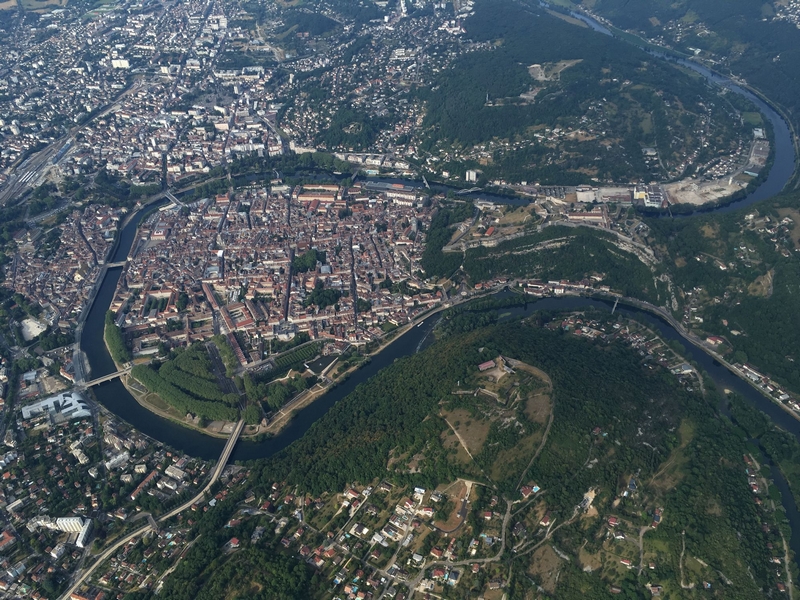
x=82 y=576
x=413 y=585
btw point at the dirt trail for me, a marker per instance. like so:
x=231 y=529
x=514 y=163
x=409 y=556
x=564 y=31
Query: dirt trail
x=683 y=551
x=642 y=531
x=541 y=446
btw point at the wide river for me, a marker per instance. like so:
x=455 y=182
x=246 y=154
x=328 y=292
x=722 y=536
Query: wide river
x=116 y=398
x=784 y=157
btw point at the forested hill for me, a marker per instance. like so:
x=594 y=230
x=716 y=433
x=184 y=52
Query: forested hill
x=619 y=425
x=531 y=73
x=393 y=418
x=737 y=276
x=748 y=37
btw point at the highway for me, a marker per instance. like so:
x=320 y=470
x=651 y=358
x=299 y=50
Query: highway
x=215 y=475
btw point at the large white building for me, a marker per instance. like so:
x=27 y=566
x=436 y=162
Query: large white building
x=69 y=524
x=66 y=405
x=83 y=536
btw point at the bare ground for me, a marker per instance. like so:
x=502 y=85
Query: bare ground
x=545 y=566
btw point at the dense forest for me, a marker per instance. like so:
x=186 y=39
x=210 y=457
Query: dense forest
x=116 y=344
x=648 y=423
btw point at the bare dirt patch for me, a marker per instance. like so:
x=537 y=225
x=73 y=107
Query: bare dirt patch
x=592 y=512
x=545 y=565
x=762 y=286
x=671 y=471
x=694 y=191
x=473 y=431
x=455 y=493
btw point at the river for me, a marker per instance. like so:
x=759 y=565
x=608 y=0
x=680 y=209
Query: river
x=784 y=150
x=116 y=398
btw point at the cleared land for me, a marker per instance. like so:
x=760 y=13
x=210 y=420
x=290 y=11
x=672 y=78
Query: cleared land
x=545 y=565
x=693 y=191
x=504 y=398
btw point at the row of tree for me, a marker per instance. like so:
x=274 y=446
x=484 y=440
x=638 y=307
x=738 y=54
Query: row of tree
x=114 y=340
x=180 y=400
x=197 y=387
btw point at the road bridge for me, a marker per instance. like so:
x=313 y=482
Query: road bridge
x=151 y=523
x=108 y=377
x=218 y=469
x=120 y=263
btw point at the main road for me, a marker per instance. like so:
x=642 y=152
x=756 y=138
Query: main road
x=215 y=475
x=223 y=460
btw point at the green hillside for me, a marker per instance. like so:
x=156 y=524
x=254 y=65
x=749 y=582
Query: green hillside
x=608 y=100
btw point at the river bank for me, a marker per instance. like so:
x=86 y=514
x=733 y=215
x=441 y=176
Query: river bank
x=699 y=344
x=305 y=399
x=410 y=339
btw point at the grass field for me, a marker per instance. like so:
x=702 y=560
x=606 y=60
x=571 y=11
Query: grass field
x=671 y=472
x=753 y=118
x=41 y=5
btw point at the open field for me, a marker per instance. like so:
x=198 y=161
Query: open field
x=545 y=564
x=671 y=472
x=42 y=5
x=473 y=432
x=692 y=191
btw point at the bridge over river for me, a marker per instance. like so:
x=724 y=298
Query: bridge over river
x=108 y=377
